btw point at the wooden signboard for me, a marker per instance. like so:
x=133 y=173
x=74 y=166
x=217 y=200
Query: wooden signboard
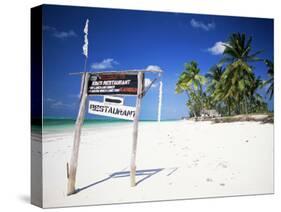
x=111 y=110
x=113 y=83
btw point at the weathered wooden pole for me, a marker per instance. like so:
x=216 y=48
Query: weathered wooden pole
x=72 y=168
x=135 y=130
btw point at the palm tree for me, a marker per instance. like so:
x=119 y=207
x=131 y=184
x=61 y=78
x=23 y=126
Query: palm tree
x=195 y=103
x=214 y=77
x=219 y=96
x=191 y=82
x=256 y=102
x=207 y=101
x=190 y=79
x=238 y=75
x=270 y=81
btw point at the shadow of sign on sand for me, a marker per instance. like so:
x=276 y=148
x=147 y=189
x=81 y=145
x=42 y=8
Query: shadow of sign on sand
x=146 y=173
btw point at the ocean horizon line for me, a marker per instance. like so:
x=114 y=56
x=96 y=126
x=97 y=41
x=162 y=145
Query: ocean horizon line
x=106 y=119
x=59 y=122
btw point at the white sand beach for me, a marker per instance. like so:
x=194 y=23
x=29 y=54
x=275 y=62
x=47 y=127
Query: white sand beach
x=175 y=160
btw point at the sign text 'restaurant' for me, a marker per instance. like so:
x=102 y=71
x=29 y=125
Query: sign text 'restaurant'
x=115 y=111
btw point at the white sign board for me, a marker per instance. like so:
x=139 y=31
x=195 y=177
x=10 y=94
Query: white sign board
x=113 y=100
x=115 y=111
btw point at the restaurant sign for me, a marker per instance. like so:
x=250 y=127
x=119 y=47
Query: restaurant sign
x=113 y=84
x=111 y=110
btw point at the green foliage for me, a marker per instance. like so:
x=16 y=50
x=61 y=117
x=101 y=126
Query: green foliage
x=191 y=82
x=238 y=80
x=190 y=78
x=232 y=86
x=270 y=81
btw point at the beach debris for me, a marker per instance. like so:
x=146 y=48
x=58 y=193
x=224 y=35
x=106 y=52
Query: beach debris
x=262 y=118
x=209 y=180
x=223 y=164
x=222 y=184
x=186 y=147
x=170 y=136
x=195 y=162
x=67 y=170
x=247 y=141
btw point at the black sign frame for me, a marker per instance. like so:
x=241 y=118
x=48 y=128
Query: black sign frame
x=117 y=83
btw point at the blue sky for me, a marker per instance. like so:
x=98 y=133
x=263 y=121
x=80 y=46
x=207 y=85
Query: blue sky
x=128 y=39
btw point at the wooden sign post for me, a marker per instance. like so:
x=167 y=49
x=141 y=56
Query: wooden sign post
x=108 y=83
x=72 y=167
x=135 y=130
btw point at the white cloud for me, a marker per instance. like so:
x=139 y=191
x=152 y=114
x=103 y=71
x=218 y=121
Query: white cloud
x=50 y=100
x=201 y=25
x=57 y=104
x=153 y=68
x=105 y=64
x=63 y=35
x=147 y=82
x=48 y=28
x=217 y=48
x=60 y=105
x=74 y=95
x=59 y=34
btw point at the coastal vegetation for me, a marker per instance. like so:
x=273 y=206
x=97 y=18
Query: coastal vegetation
x=230 y=87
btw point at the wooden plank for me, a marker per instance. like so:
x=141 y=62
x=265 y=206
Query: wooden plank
x=77 y=134
x=81 y=87
x=160 y=101
x=125 y=71
x=111 y=110
x=67 y=170
x=135 y=129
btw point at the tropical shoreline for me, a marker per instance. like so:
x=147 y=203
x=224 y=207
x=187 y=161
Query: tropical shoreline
x=262 y=118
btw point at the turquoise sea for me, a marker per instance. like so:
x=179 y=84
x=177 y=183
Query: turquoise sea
x=62 y=124
x=65 y=124
x=68 y=124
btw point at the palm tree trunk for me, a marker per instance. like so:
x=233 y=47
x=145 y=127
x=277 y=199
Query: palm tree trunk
x=239 y=106
x=194 y=113
x=229 y=106
x=229 y=109
x=245 y=104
